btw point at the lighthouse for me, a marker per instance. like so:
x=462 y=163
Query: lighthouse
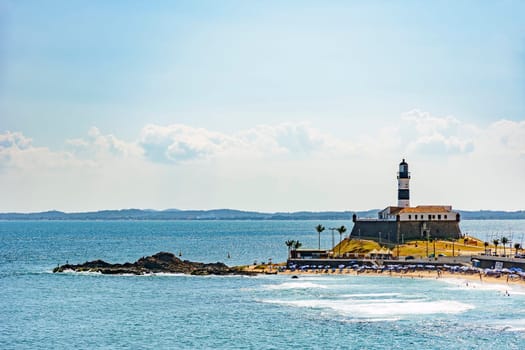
x=403 y=179
x=405 y=223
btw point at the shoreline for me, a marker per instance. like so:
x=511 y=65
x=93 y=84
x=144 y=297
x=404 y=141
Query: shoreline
x=475 y=278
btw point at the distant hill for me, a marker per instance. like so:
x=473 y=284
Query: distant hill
x=174 y=214
x=229 y=214
x=492 y=215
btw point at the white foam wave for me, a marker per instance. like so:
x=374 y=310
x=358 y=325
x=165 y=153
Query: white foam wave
x=85 y=273
x=98 y=273
x=369 y=295
x=166 y=274
x=464 y=283
x=295 y=285
x=377 y=308
x=322 y=278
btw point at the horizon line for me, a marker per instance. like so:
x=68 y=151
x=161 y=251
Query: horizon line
x=240 y=210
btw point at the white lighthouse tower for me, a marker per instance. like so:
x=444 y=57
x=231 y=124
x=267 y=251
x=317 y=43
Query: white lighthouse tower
x=403 y=179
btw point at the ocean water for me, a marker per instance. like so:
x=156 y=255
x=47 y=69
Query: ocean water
x=42 y=310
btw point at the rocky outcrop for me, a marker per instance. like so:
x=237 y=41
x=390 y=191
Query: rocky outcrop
x=162 y=262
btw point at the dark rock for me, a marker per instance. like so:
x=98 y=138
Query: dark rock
x=161 y=262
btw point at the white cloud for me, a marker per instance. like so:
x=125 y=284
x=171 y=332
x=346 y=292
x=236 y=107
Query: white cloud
x=18 y=152
x=176 y=143
x=180 y=143
x=426 y=134
x=426 y=124
x=97 y=146
x=505 y=137
x=288 y=166
x=14 y=140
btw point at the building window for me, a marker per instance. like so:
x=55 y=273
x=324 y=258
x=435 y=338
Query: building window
x=429 y=216
x=409 y=217
x=415 y=216
x=439 y=216
x=445 y=216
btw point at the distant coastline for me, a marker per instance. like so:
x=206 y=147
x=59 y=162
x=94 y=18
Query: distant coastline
x=230 y=214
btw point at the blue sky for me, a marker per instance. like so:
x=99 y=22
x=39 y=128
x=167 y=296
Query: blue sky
x=274 y=105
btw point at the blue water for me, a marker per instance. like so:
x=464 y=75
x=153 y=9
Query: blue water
x=41 y=310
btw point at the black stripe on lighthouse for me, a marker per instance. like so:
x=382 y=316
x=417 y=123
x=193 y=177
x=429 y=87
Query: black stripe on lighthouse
x=403 y=194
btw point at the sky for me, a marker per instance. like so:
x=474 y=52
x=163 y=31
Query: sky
x=260 y=105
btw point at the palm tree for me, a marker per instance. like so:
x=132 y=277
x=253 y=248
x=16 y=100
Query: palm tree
x=289 y=244
x=496 y=242
x=319 y=228
x=453 y=240
x=517 y=247
x=504 y=241
x=486 y=244
x=297 y=245
x=341 y=230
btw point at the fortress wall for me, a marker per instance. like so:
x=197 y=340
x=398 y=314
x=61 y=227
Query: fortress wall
x=369 y=229
x=408 y=230
x=437 y=229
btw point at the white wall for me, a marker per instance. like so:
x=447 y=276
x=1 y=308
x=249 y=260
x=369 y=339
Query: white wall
x=451 y=216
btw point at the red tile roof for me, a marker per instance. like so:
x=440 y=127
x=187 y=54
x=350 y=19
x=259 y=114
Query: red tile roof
x=426 y=209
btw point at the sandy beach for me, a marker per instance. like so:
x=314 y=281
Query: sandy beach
x=461 y=277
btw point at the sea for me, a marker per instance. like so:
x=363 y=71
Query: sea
x=43 y=310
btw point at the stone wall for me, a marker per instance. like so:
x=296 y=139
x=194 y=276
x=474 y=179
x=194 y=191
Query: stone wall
x=389 y=231
x=372 y=229
x=436 y=229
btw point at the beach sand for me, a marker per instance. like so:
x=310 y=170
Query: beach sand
x=464 y=278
